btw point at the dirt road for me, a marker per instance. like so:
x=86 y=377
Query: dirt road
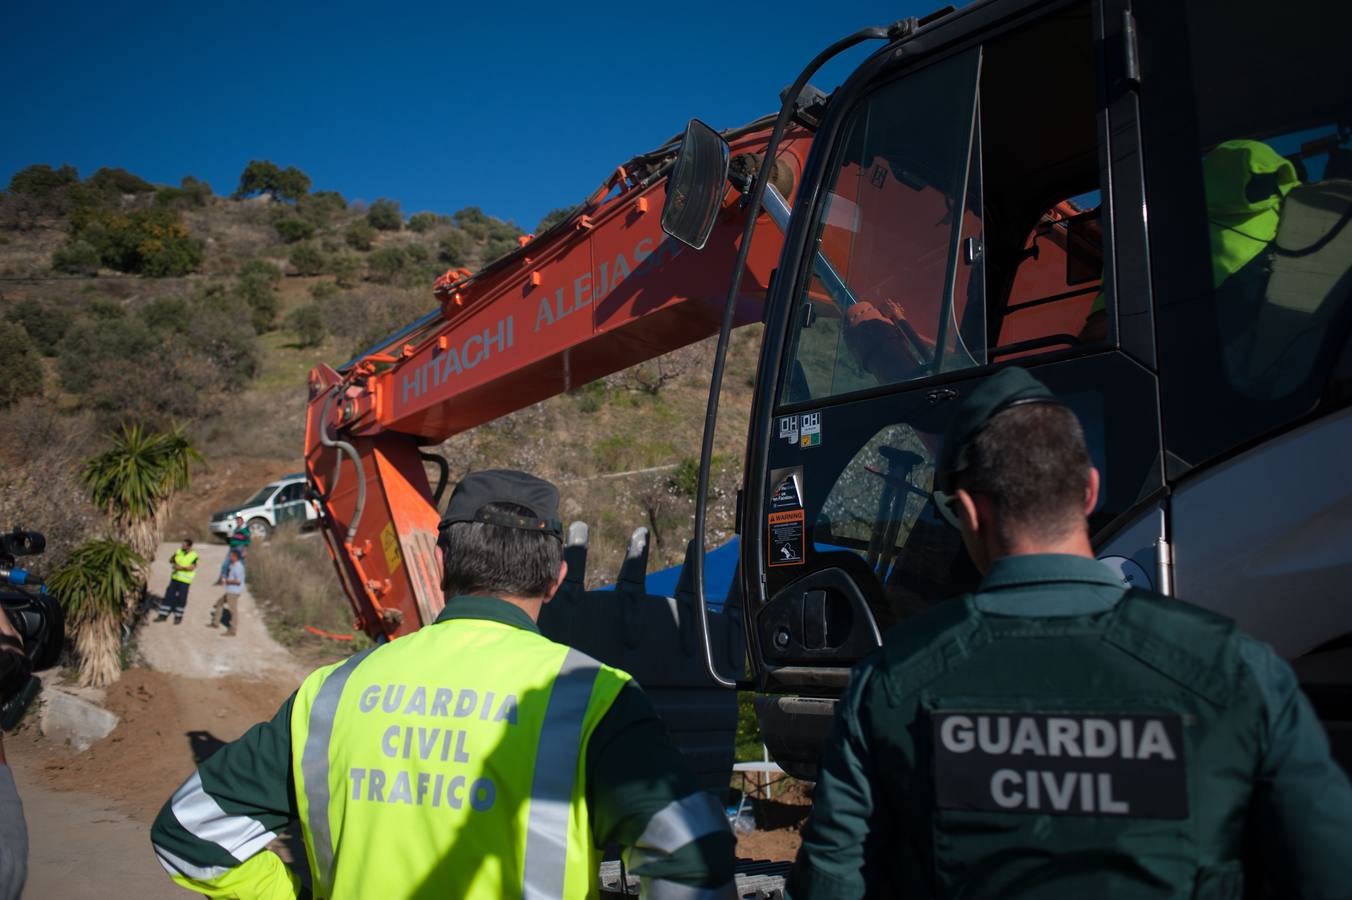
x=192 y=649
x=89 y=814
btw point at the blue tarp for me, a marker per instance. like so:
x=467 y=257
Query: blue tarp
x=720 y=564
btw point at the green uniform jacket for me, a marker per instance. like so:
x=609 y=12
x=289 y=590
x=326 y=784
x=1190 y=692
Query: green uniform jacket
x=1136 y=747
x=640 y=795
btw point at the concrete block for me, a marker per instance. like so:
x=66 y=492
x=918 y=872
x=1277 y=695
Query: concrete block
x=66 y=717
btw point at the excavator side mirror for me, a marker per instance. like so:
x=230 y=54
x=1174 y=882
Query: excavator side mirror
x=695 y=188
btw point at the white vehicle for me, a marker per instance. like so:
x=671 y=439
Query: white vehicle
x=275 y=504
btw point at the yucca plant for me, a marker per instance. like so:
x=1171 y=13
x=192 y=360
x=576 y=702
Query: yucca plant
x=93 y=584
x=134 y=480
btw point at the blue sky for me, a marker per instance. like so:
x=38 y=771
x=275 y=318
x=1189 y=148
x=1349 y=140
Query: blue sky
x=518 y=107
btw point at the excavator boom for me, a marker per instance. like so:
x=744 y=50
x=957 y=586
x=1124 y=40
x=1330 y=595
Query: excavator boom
x=602 y=291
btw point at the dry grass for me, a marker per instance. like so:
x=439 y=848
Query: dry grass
x=293 y=580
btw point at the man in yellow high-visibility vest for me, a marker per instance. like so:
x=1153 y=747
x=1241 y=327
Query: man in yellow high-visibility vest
x=474 y=758
x=184 y=566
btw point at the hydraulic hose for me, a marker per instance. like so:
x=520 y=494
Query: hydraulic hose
x=351 y=451
x=753 y=206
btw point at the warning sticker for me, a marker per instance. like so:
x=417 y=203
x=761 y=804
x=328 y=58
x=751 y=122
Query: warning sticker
x=810 y=427
x=786 y=489
x=389 y=542
x=786 y=537
x=788 y=428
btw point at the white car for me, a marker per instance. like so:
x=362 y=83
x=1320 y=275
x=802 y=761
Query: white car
x=275 y=504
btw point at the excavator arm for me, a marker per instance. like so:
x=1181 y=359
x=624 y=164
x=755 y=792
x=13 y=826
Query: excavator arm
x=601 y=291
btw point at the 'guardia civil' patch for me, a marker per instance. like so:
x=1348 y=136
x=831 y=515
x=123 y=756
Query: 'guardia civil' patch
x=1071 y=764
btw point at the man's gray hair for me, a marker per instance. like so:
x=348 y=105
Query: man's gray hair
x=479 y=558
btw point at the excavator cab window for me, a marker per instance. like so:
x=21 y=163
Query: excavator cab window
x=945 y=239
x=897 y=265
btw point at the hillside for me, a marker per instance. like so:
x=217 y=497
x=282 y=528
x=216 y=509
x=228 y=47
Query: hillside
x=125 y=301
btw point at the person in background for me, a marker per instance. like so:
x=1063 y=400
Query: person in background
x=13 y=830
x=184 y=565
x=229 y=601
x=239 y=540
x=1057 y=734
x=474 y=758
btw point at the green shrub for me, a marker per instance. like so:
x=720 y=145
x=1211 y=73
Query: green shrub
x=554 y=217
x=308 y=259
x=385 y=263
x=257 y=288
x=470 y=215
x=307 y=323
x=506 y=231
x=165 y=314
x=261 y=268
x=104 y=310
x=152 y=242
x=591 y=396
x=118 y=182
x=685 y=480
x=455 y=247
x=293 y=229
x=384 y=215
x=417 y=253
x=217 y=331
x=422 y=222
x=190 y=193
x=320 y=207
x=20 y=365
x=346 y=268
x=44 y=325
x=323 y=290
x=359 y=236
x=76 y=258
x=42 y=180
x=497 y=247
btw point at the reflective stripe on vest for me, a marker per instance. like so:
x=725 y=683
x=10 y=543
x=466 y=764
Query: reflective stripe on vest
x=184 y=559
x=458 y=751
x=551 y=791
x=315 y=765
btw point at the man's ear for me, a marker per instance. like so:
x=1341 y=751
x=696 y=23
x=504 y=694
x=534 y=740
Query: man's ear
x=969 y=516
x=558 y=582
x=1091 y=490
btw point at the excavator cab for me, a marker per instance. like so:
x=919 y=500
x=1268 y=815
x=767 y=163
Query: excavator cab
x=1028 y=184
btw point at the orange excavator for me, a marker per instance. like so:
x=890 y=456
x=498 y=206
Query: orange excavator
x=1057 y=184
x=601 y=291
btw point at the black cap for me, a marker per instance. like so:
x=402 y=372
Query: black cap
x=478 y=489
x=1006 y=388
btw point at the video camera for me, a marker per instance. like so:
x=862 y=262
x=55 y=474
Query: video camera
x=36 y=616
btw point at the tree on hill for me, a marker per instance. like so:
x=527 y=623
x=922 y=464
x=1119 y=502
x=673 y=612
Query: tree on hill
x=263 y=176
x=554 y=217
x=41 y=180
x=118 y=181
x=384 y=215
